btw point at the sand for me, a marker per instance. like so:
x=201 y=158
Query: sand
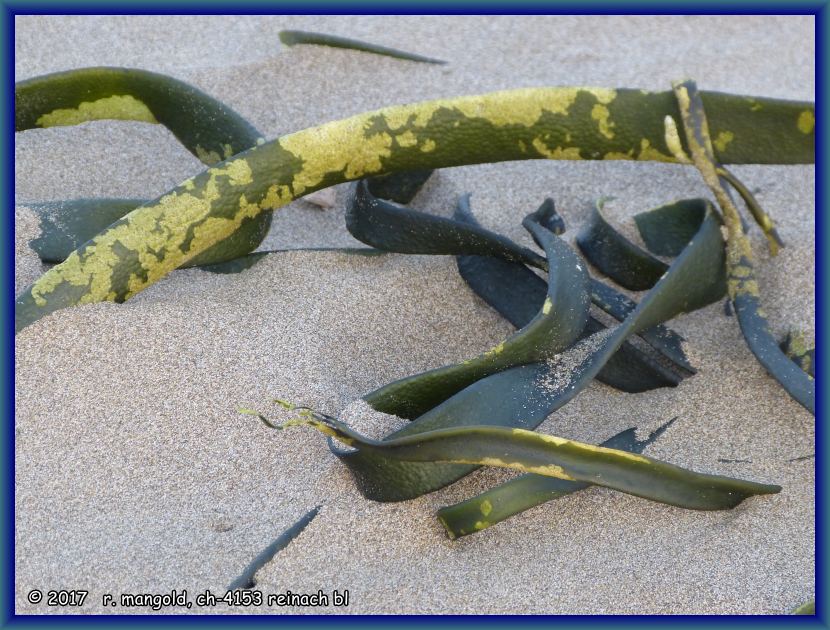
x=134 y=471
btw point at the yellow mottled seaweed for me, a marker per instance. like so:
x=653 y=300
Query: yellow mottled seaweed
x=550 y=470
x=647 y=152
x=335 y=147
x=494 y=351
x=571 y=153
x=618 y=155
x=514 y=107
x=723 y=140
x=806 y=122
x=138 y=232
x=739 y=286
x=207 y=157
x=486 y=507
x=547 y=306
x=428 y=146
x=672 y=137
x=407 y=139
x=601 y=114
x=558 y=441
x=111 y=108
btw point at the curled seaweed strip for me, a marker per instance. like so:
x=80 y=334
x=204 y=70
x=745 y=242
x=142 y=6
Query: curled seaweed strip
x=545 y=215
x=556 y=326
x=758 y=213
x=666 y=230
x=517 y=294
x=551 y=456
x=740 y=266
x=526 y=491
x=206 y=127
x=614 y=255
x=396 y=228
x=292 y=38
x=524 y=396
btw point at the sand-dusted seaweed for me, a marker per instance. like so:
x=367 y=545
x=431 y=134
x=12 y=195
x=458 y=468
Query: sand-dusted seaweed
x=481 y=411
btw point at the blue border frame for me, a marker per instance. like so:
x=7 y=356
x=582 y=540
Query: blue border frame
x=8 y=10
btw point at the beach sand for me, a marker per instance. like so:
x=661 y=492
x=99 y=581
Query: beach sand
x=136 y=474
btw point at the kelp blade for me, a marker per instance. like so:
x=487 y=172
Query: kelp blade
x=292 y=38
x=617 y=257
x=744 y=290
x=552 y=456
x=526 y=491
x=517 y=294
x=510 y=125
x=524 y=396
x=247 y=579
x=555 y=327
x=396 y=228
x=206 y=127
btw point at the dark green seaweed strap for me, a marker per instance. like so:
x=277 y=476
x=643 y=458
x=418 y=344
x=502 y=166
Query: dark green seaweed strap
x=662 y=339
x=517 y=294
x=617 y=257
x=526 y=491
x=247 y=579
x=207 y=128
x=742 y=284
x=555 y=327
x=666 y=230
x=524 y=396
x=292 y=38
x=551 y=456
x=396 y=228
x=398 y=187
x=65 y=225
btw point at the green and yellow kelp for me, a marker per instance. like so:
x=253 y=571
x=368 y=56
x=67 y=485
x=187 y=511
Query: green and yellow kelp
x=550 y=456
x=531 y=123
x=742 y=284
x=526 y=491
x=480 y=412
x=524 y=395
